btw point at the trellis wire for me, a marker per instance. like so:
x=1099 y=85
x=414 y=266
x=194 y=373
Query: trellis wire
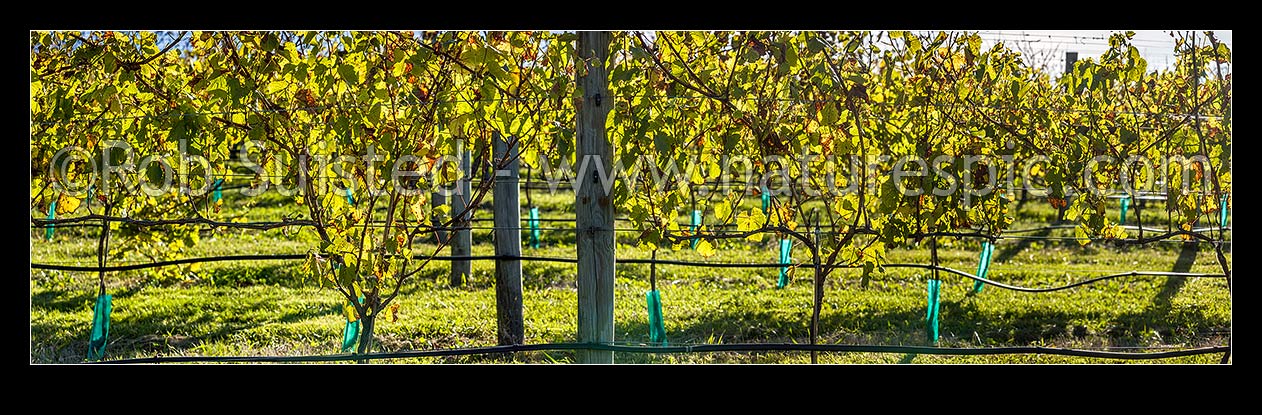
x=964 y=274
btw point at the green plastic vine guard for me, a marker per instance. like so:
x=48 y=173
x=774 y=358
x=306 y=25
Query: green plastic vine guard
x=1126 y=204
x=534 y=227
x=657 y=328
x=931 y=312
x=52 y=214
x=786 y=246
x=983 y=265
x=350 y=334
x=1222 y=216
x=100 y=327
x=766 y=199
x=696 y=224
x=218 y=191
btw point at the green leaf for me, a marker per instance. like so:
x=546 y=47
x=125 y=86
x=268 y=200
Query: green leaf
x=346 y=275
x=155 y=172
x=475 y=57
x=791 y=56
x=664 y=143
x=110 y=62
x=815 y=45
x=621 y=74
x=219 y=93
x=237 y=90
x=1127 y=135
x=348 y=73
x=374 y=114
x=829 y=116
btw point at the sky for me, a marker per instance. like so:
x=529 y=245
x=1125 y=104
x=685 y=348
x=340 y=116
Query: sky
x=1156 y=46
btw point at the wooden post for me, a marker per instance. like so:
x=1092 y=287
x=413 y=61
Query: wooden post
x=462 y=239
x=593 y=206
x=508 y=305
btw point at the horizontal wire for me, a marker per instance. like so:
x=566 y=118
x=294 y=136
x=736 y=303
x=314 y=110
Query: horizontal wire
x=628 y=230
x=634 y=261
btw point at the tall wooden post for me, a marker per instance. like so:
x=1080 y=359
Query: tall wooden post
x=594 y=207
x=508 y=305
x=462 y=239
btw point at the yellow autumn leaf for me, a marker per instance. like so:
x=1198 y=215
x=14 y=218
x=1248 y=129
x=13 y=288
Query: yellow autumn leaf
x=748 y=221
x=67 y=204
x=349 y=311
x=276 y=86
x=705 y=248
x=696 y=177
x=722 y=210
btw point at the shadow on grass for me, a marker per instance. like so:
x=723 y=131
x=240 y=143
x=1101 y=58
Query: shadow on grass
x=1187 y=258
x=960 y=319
x=155 y=328
x=70 y=300
x=1160 y=316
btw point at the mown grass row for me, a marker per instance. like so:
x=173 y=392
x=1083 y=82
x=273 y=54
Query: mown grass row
x=266 y=307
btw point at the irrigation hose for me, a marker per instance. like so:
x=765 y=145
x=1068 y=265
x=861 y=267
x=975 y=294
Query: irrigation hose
x=702 y=348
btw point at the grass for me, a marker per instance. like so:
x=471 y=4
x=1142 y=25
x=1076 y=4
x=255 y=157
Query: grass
x=266 y=308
